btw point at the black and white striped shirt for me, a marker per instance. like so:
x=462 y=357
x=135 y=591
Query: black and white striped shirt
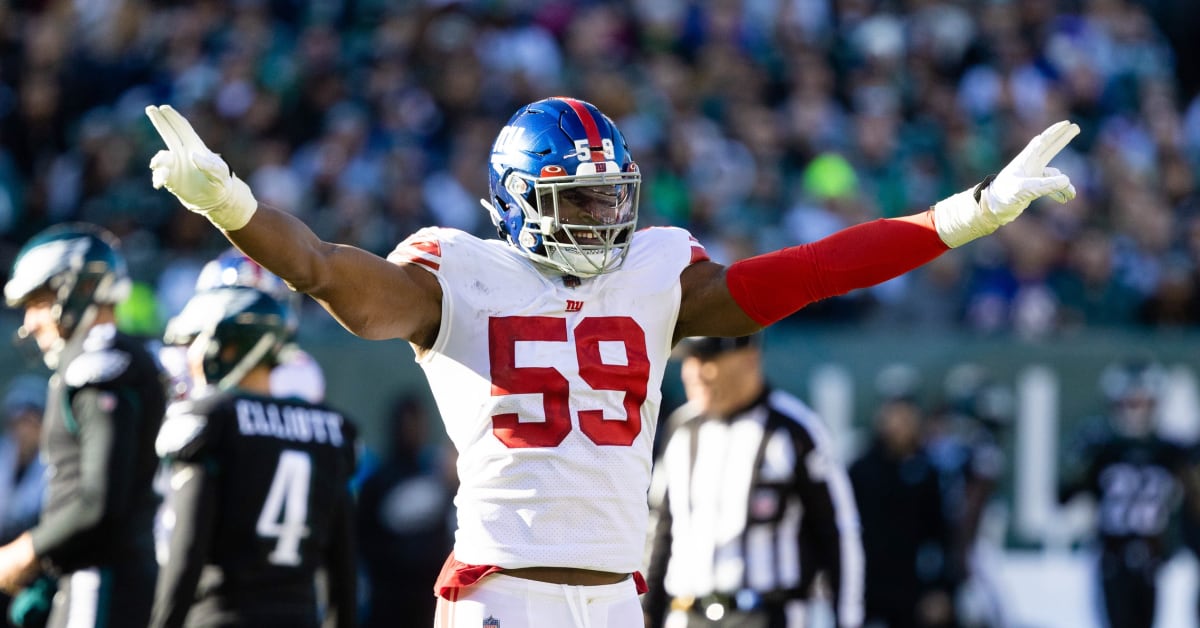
x=754 y=503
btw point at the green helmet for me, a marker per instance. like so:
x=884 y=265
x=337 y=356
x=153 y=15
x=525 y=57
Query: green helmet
x=79 y=263
x=236 y=328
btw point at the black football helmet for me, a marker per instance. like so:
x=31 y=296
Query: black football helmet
x=1133 y=389
x=80 y=264
x=234 y=328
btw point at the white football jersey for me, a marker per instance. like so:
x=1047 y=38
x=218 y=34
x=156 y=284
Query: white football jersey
x=297 y=375
x=550 y=387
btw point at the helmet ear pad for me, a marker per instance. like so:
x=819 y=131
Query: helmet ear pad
x=511 y=218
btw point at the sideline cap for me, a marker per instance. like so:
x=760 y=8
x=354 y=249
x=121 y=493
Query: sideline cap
x=712 y=346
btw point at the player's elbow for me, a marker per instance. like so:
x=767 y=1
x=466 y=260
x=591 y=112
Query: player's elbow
x=313 y=276
x=91 y=510
x=360 y=323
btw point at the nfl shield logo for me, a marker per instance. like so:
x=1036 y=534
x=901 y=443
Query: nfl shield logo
x=491 y=622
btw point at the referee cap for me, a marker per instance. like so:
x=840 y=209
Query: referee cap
x=705 y=347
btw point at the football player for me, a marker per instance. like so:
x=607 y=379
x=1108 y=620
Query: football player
x=259 y=484
x=106 y=405
x=297 y=374
x=1138 y=480
x=546 y=348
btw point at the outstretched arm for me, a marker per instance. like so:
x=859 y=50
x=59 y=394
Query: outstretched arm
x=368 y=295
x=756 y=292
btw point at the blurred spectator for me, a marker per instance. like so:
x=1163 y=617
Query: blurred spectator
x=966 y=443
x=22 y=472
x=904 y=528
x=1016 y=295
x=22 y=477
x=774 y=121
x=405 y=520
x=1088 y=289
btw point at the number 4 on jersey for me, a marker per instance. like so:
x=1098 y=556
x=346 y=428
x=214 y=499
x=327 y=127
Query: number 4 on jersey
x=284 y=513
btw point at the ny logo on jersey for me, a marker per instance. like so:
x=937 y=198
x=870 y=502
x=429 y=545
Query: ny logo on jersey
x=574 y=306
x=491 y=621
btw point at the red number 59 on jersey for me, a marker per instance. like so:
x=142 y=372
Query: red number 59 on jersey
x=630 y=378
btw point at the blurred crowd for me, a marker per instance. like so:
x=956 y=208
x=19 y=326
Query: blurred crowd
x=757 y=124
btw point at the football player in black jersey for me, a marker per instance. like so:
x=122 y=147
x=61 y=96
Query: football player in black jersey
x=1138 y=479
x=259 y=485
x=106 y=402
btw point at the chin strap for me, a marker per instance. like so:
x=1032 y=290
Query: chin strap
x=71 y=345
x=494 y=215
x=79 y=331
x=252 y=359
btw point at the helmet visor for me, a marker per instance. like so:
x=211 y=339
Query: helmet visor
x=591 y=215
x=595 y=205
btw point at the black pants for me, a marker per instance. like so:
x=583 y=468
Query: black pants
x=400 y=604
x=1129 y=593
x=117 y=596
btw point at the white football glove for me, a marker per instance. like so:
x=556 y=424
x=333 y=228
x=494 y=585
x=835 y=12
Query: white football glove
x=965 y=217
x=198 y=177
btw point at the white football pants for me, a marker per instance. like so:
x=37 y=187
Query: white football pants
x=509 y=602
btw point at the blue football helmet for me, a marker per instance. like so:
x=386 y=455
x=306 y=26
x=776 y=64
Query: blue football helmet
x=564 y=189
x=232 y=269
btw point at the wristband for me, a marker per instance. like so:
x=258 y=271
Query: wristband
x=236 y=209
x=963 y=217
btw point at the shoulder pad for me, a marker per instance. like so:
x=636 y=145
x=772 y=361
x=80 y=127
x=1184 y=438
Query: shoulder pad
x=423 y=247
x=679 y=245
x=96 y=367
x=182 y=433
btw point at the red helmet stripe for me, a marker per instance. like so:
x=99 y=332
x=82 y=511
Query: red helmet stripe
x=589 y=127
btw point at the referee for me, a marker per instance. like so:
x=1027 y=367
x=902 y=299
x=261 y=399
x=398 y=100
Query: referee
x=751 y=509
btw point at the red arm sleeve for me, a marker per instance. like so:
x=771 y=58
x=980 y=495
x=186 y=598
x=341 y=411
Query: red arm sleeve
x=774 y=285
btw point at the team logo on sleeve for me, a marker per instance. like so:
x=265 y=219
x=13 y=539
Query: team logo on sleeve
x=698 y=252
x=106 y=401
x=419 y=248
x=491 y=622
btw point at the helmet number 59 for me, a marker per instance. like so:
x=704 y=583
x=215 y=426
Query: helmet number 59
x=584 y=152
x=630 y=379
